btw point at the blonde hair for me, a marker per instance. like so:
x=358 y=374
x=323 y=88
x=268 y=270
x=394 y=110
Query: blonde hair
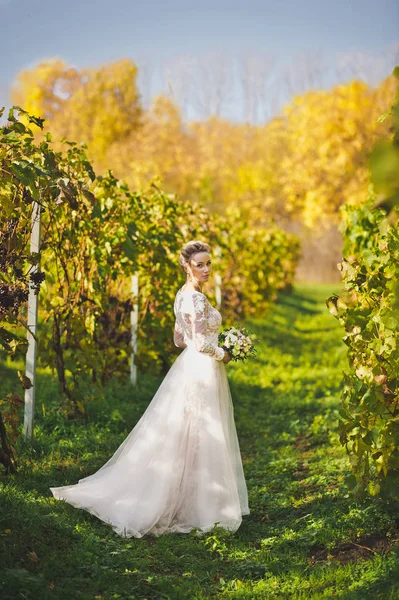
x=189 y=250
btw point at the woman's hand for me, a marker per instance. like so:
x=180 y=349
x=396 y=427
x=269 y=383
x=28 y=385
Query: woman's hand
x=226 y=358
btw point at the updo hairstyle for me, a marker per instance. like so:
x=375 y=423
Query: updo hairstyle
x=189 y=250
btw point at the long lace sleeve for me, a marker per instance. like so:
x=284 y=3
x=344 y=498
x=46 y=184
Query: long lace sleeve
x=199 y=329
x=178 y=336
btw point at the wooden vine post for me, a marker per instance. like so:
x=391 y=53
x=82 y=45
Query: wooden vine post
x=218 y=282
x=33 y=302
x=134 y=319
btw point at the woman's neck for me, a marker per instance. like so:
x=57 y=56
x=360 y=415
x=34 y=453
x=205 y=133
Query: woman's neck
x=190 y=285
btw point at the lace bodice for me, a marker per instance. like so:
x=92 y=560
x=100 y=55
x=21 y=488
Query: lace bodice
x=197 y=323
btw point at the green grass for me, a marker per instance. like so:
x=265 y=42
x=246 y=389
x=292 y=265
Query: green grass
x=305 y=537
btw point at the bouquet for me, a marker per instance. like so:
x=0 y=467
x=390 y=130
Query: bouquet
x=239 y=343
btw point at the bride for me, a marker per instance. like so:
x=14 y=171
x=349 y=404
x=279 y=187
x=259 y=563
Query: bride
x=180 y=467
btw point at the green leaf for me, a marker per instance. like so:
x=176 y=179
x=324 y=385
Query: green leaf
x=24 y=173
x=384 y=163
x=130 y=249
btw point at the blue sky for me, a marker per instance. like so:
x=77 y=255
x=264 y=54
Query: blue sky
x=88 y=33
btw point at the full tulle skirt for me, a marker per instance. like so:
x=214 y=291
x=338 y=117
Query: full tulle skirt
x=180 y=467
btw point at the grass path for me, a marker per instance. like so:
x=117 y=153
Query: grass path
x=305 y=538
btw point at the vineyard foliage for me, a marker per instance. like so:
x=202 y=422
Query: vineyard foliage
x=368 y=308
x=96 y=233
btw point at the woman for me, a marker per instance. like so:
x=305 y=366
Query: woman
x=180 y=467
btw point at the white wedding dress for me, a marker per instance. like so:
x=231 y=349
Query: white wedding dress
x=180 y=467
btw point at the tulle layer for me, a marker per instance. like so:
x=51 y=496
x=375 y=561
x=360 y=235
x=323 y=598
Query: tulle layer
x=180 y=467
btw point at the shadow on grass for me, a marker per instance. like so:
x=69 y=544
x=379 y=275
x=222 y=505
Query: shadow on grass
x=292 y=303
x=296 y=331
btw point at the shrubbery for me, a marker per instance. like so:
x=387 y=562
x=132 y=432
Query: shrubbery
x=368 y=309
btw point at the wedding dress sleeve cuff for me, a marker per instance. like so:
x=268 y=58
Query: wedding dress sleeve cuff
x=219 y=353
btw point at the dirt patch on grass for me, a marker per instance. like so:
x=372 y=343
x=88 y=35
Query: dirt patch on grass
x=363 y=549
x=302 y=442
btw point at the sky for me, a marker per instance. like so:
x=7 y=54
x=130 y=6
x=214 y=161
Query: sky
x=88 y=33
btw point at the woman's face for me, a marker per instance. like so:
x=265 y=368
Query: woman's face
x=200 y=266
